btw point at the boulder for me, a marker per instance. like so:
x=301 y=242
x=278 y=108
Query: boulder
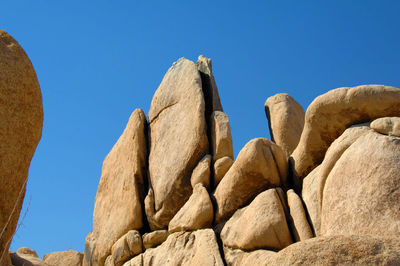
x=178 y=129
x=335 y=151
x=221 y=138
x=261 y=164
x=197 y=213
x=201 y=174
x=314 y=182
x=262 y=224
x=286 y=121
x=26 y=257
x=128 y=246
x=331 y=113
x=339 y=250
x=221 y=167
x=183 y=248
x=155 y=238
x=387 y=125
x=362 y=191
x=238 y=257
x=300 y=226
x=118 y=203
x=21 y=116
x=69 y=257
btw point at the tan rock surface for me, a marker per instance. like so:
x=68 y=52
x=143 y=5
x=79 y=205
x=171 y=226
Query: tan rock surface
x=331 y=113
x=184 y=248
x=177 y=128
x=314 y=182
x=128 y=246
x=201 y=173
x=118 y=204
x=26 y=257
x=21 y=116
x=155 y=238
x=339 y=250
x=335 y=151
x=221 y=167
x=197 y=213
x=286 y=121
x=69 y=257
x=238 y=257
x=362 y=192
x=262 y=224
x=301 y=228
x=221 y=138
x=260 y=164
x=387 y=125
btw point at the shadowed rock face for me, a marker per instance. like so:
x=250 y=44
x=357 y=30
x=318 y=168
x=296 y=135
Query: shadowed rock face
x=21 y=116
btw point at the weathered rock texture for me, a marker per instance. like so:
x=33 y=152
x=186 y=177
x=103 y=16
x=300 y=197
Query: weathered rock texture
x=387 y=125
x=331 y=113
x=262 y=224
x=70 y=258
x=362 y=192
x=260 y=164
x=184 y=248
x=286 y=121
x=178 y=141
x=197 y=213
x=118 y=204
x=21 y=116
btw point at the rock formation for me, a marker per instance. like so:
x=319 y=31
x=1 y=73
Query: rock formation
x=171 y=192
x=21 y=116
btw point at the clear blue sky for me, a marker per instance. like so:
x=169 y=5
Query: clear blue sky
x=99 y=60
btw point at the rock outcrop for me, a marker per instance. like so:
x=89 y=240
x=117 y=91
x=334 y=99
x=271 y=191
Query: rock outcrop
x=330 y=114
x=177 y=129
x=70 y=258
x=286 y=121
x=119 y=199
x=21 y=116
x=261 y=164
x=336 y=195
